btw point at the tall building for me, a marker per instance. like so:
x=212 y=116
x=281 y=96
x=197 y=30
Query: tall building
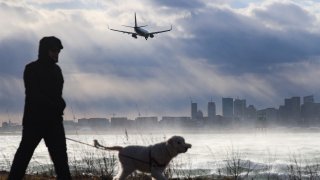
x=239 y=109
x=211 y=110
x=227 y=107
x=194 y=110
x=309 y=111
x=290 y=112
x=295 y=108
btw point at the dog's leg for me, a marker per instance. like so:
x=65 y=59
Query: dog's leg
x=157 y=173
x=159 y=176
x=123 y=174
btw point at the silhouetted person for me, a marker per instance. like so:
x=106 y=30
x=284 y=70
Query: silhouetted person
x=43 y=111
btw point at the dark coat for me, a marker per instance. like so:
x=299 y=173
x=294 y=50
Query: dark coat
x=43 y=82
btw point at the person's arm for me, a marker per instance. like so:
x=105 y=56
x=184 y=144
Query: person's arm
x=31 y=83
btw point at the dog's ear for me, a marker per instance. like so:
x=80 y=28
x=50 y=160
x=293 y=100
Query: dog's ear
x=171 y=140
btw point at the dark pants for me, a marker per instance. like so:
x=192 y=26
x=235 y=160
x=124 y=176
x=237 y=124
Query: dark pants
x=54 y=138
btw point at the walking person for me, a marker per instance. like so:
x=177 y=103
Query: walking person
x=43 y=111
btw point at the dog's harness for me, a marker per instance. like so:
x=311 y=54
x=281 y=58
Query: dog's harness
x=152 y=162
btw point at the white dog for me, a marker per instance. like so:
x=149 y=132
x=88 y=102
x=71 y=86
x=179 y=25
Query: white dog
x=151 y=159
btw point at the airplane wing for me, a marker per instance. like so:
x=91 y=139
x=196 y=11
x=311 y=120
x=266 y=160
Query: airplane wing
x=127 y=32
x=156 y=32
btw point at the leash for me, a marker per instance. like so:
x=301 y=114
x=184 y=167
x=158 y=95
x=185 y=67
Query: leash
x=95 y=146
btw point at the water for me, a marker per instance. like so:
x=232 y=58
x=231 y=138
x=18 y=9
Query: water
x=263 y=152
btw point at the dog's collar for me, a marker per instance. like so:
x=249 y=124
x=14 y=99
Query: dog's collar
x=169 y=152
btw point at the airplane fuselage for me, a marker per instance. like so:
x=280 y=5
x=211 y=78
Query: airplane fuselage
x=141 y=32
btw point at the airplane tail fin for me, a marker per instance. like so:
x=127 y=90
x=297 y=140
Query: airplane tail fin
x=135 y=20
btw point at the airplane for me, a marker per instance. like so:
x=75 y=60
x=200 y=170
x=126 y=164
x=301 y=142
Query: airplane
x=139 y=31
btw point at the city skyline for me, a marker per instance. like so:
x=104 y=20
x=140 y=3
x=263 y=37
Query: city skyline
x=257 y=50
x=293 y=113
x=238 y=109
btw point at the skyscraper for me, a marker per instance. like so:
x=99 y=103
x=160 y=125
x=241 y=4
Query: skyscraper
x=239 y=108
x=227 y=107
x=309 y=111
x=294 y=108
x=211 y=110
x=291 y=110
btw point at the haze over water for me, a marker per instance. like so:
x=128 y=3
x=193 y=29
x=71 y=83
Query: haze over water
x=209 y=152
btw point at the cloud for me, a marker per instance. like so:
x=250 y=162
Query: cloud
x=181 y=4
x=214 y=50
x=284 y=16
x=242 y=43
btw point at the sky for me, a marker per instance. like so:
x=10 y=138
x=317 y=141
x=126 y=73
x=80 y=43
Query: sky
x=261 y=51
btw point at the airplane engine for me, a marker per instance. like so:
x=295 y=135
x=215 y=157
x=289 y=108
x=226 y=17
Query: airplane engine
x=134 y=36
x=151 y=35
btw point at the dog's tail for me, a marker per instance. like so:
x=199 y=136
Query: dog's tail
x=113 y=148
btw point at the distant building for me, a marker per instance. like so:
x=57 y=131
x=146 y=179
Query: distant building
x=239 y=108
x=251 y=112
x=199 y=115
x=70 y=125
x=194 y=110
x=10 y=126
x=176 y=122
x=94 y=122
x=270 y=115
x=308 y=99
x=211 y=110
x=146 y=121
x=290 y=112
x=121 y=122
x=310 y=112
x=227 y=107
x=261 y=121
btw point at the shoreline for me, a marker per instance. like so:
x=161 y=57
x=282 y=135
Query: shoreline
x=281 y=130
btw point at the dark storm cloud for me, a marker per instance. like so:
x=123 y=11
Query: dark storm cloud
x=15 y=53
x=243 y=44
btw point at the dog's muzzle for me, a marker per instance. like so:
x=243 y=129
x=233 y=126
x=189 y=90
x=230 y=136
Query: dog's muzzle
x=187 y=147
